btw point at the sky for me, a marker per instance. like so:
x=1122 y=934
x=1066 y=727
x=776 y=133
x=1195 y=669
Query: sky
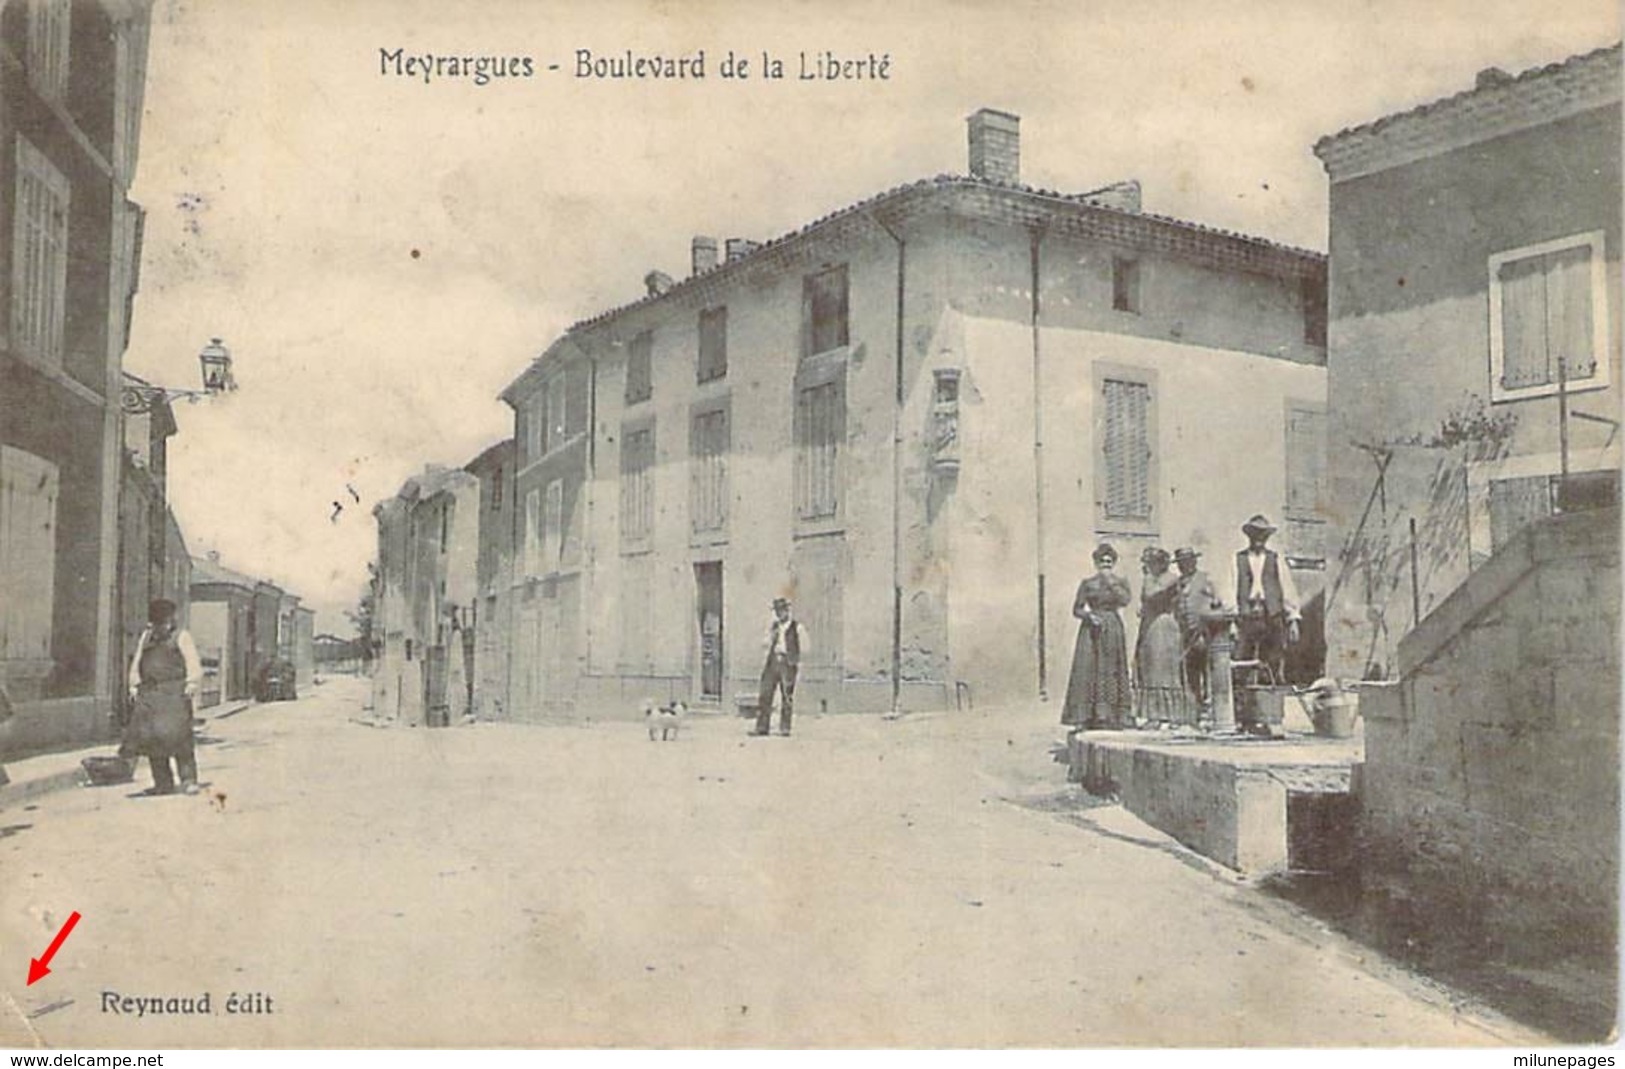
x=382 y=255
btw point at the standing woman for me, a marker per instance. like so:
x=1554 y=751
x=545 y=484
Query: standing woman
x=1158 y=680
x=1098 y=694
x=164 y=677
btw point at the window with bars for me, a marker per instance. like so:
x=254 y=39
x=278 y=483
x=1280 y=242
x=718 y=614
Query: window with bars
x=1125 y=284
x=48 y=47
x=28 y=508
x=824 y=311
x=1305 y=460
x=708 y=467
x=637 y=485
x=496 y=490
x=1545 y=309
x=1126 y=450
x=640 y=369
x=820 y=431
x=713 y=363
x=39 y=268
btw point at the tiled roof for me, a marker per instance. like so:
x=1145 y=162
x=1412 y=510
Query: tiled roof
x=1499 y=104
x=205 y=570
x=1044 y=198
x=1091 y=214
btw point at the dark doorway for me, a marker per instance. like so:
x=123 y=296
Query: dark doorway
x=708 y=582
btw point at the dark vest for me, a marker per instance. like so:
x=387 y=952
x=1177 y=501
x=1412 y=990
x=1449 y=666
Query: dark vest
x=1274 y=601
x=790 y=640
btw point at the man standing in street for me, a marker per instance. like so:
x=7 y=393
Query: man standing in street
x=786 y=642
x=1266 y=599
x=1198 y=610
x=165 y=675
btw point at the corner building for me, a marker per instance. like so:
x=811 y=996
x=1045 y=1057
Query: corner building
x=916 y=417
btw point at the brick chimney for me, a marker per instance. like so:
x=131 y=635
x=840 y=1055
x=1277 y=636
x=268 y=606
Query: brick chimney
x=995 y=145
x=703 y=254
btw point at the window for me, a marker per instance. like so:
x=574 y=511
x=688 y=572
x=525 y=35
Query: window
x=557 y=409
x=532 y=417
x=39 y=269
x=713 y=344
x=708 y=468
x=496 y=490
x=824 y=311
x=445 y=526
x=48 y=47
x=533 y=533
x=820 y=430
x=28 y=504
x=1305 y=460
x=1126 y=449
x=637 y=485
x=553 y=526
x=1125 y=284
x=1547 y=307
x=639 y=370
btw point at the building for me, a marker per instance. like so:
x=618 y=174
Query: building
x=916 y=416
x=493 y=579
x=428 y=549
x=153 y=561
x=1474 y=370
x=222 y=625
x=304 y=647
x=71 y=85
x=1475 y=277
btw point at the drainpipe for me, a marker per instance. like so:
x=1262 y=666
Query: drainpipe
x=1037 y=233
x=897 y=480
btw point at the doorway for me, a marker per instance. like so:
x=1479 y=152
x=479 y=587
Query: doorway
x=708 y=585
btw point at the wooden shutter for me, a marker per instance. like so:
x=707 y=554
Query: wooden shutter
x=1523 y=324
x=1128 y=449
x=1568 y=312
x=28 y=507
x=713 y=344
x=1305 y=461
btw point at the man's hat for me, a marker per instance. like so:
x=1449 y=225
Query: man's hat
x=1105 y=551
x=781 y=603
x=1259 y=523
x=160 y=610
x=1185 y=553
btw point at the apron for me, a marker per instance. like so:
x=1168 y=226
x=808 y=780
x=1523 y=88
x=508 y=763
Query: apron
x=161 y=720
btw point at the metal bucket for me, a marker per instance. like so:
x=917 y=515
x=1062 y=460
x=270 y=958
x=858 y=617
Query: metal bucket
x=1334 y=715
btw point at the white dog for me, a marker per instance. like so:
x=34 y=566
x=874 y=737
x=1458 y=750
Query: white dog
x=663 y=720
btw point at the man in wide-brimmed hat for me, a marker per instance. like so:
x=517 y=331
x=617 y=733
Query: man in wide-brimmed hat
x=785 y=642
x=1198 y=610
x=1266 y=599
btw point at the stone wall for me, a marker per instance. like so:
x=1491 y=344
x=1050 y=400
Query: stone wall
x=1490 y=792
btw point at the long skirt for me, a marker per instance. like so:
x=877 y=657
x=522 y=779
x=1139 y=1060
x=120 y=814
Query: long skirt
x=1097 y=692
x=1159 y=672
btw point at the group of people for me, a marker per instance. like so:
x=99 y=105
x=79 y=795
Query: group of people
x=1181 y=611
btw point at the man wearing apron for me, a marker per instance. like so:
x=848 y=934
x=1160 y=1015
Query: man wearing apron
x=164 y=677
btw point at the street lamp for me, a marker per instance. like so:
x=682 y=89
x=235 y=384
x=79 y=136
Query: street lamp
x=215 y=364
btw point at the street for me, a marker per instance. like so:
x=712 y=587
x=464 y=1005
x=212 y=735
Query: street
x=931 y=881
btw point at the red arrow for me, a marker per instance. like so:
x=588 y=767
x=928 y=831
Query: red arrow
x=38 y=967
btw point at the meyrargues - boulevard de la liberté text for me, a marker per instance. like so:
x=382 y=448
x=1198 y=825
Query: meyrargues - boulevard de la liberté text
x=819 y=66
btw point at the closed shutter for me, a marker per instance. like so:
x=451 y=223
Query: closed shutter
x=708 y=480
x=28 y=507
x=1306 y=461
x=820 y=429
x=1568 y=312
x=1128 y=449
